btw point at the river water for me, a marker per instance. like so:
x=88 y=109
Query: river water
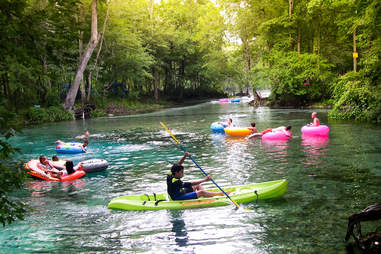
x=329 y=179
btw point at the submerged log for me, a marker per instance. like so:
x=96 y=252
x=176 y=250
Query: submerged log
x=371 y=243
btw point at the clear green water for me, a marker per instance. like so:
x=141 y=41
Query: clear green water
x=328 y=180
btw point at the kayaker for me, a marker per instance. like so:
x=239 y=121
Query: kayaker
x=316 y=121
x=179 y=190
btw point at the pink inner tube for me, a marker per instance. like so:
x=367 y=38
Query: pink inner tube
x=277 y=135
x=224 y=100
x=321 y=130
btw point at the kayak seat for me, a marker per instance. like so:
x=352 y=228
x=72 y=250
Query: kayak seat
x=155 y=199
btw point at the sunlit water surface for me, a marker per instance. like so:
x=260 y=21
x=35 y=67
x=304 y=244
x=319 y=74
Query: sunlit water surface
x=329 y=179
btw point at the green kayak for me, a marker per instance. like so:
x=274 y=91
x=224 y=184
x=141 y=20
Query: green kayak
x=240 y=194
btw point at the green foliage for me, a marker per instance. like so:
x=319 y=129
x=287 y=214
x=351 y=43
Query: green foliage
x=296 y=79
x=51 y=114
x=97 y=113
x=356 y=98
x=11 y=174
x=184 y=48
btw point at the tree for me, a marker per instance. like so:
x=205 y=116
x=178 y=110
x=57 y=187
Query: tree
x=72 y=93
x=11 y=174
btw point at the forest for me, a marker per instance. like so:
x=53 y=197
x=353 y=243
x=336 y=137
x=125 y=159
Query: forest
x=61 y=56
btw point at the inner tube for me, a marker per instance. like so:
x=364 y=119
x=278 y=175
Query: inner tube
x=223 y=100
x=321 y=130
x=33 y=170
x=217 y=128
x=237 y=132
x=94 y=165
x=70 y=148
x=275 y=135
x=235 y=100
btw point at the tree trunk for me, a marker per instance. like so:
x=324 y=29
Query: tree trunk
x=80 y=50
x=182 y=78
x=156 y=83
x=290 y=7
x=167 y=80
x=6 y=88
x=247 y=54
x=98 y=53
x=354 y=50
x=72 y=93
x=298 y=40
x=88 y=87
x=319 y=37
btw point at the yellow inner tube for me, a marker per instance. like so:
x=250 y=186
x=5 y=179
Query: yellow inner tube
x=237 y=132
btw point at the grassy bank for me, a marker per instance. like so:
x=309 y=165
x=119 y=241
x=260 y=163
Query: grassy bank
x=108 y=107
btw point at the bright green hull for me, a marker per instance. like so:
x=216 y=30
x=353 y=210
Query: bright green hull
x=240 y=194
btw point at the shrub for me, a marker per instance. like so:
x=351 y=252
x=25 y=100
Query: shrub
x=97 y=113
x=356 y=98
x=52 y=114
x=296 y=79
x=12 y=176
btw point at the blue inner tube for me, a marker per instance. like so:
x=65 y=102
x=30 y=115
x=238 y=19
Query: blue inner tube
x=217 y=128
x=70 y=148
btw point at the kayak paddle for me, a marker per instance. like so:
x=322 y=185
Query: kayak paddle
x=182 y=148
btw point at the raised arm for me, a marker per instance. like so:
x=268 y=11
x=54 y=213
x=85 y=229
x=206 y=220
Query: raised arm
x=186 y=154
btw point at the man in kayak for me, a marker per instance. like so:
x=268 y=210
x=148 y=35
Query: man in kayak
x=179 y=190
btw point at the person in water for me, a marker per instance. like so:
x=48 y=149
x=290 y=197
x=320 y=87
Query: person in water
x=179 y=190
x=70 y=168
x=284 y=129
x=49 y=169
x=254 y=131
x=228 y=123
x=83 y=146
x=252 y=128
x=55 y=158
x=316 y=121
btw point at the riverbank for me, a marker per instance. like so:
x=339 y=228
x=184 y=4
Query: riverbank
x=117 y=107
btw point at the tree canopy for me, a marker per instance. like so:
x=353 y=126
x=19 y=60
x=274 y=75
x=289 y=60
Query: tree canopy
x=303 y=50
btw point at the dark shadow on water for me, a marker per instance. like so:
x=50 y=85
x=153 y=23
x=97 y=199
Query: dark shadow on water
x=178 y=227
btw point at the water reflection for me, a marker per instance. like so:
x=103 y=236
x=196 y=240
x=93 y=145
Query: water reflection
x=276 y=149
x=315 y=149
x=41 y=189
x=178 y=227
